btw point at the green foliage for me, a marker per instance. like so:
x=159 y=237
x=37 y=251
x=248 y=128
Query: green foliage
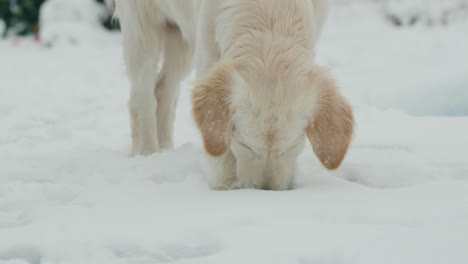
x=20 y=16
x=107 y=20
x=110 y=23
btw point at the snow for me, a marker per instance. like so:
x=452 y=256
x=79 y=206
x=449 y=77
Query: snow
x=70 y=194
x=403 y=63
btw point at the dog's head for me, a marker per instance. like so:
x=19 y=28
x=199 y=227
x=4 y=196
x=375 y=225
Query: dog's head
x=265 y=124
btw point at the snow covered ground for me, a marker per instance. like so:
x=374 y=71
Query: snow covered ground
x=70 y=194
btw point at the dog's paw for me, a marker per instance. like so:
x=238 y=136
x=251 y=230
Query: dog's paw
x=225 y=185
x=144 y=150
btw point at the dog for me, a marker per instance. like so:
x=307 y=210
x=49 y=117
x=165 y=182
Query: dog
x=258 y=93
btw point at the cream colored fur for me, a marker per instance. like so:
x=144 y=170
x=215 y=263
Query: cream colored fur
x=258 y=95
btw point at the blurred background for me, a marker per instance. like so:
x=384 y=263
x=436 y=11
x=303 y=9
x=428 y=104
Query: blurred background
x=406 y=55
x=23 y=17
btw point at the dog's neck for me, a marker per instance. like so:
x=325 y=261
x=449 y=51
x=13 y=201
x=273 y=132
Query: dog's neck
x=263 y=40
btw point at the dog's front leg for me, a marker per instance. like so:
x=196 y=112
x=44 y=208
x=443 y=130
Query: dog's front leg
x=224 y=173
x=142 y=45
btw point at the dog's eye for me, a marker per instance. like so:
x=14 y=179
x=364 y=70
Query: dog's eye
x=292 y=147
x=245 y=146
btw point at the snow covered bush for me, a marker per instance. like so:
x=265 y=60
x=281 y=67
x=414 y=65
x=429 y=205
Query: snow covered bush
x=404 y=12
x=2 y=26
x=412 y=12
x=71 y=21
x=21 y=17
x=107 y=16
x=428 y=12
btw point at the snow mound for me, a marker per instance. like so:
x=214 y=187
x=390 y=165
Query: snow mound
x=71 y=22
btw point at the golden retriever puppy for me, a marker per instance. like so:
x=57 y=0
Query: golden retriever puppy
x=258 y=95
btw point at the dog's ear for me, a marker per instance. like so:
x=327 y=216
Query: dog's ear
x=212 y=110
x=331 y=126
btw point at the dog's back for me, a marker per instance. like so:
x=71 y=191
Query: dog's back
x=229 y=15
x=151 y=14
